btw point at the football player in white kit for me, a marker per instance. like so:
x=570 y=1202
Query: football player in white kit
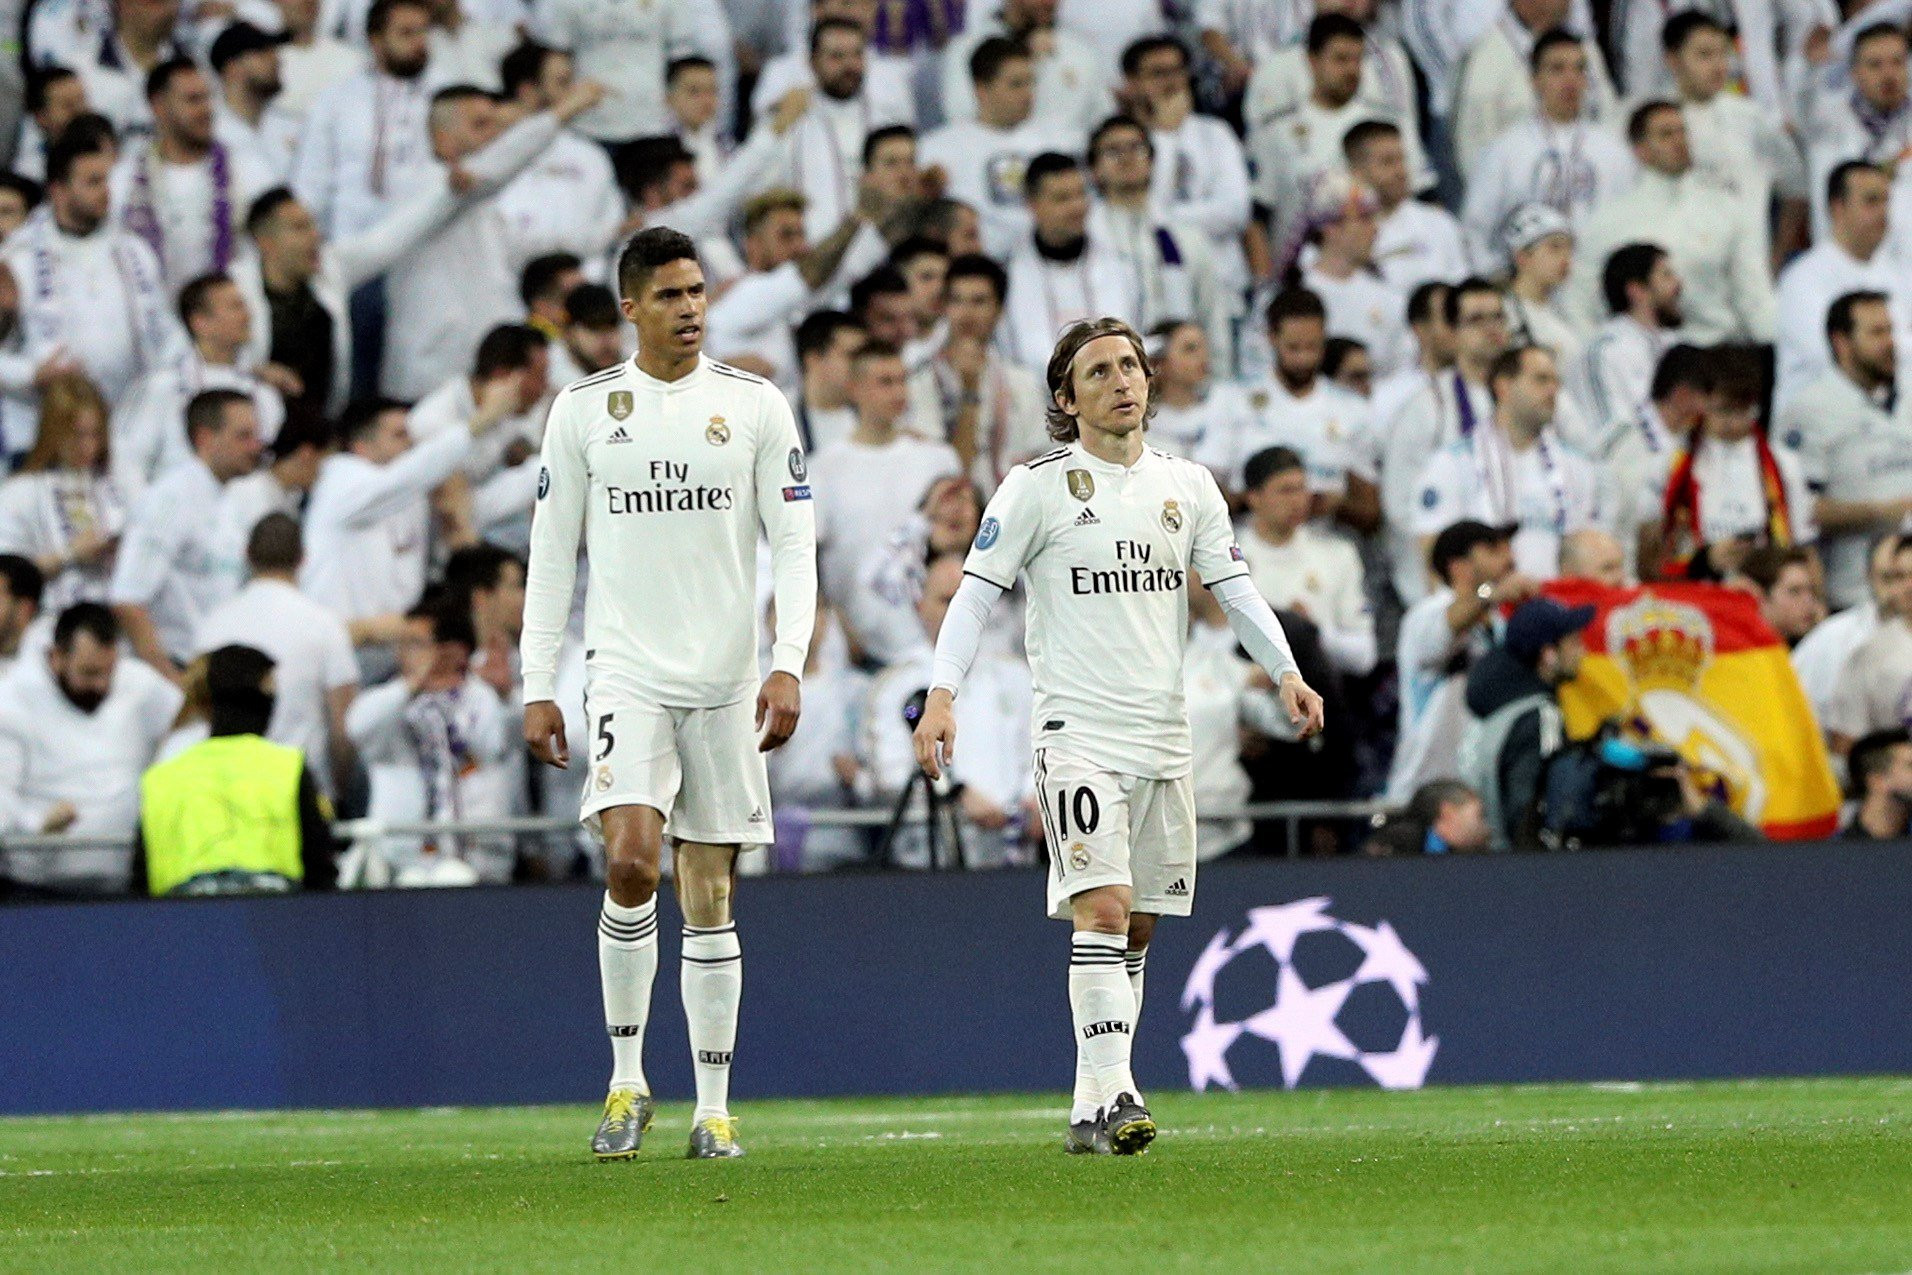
x=667 y=466
x=1106 y=530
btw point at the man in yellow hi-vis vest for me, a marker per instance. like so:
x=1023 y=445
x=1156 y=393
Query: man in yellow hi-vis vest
x=236 y=813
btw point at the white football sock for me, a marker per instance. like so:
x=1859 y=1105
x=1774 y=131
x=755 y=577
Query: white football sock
x=1103 y=1006
x=712 y=978
x=627 y=965
x=1137 y=959
x=1088 y=1094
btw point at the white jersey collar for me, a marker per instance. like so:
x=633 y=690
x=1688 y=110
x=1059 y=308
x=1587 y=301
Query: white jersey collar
x=690 y=380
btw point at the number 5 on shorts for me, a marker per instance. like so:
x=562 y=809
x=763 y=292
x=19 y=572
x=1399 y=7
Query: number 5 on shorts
x=605 y=739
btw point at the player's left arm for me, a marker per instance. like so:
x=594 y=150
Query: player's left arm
x=1213 y=553
x=788 y=516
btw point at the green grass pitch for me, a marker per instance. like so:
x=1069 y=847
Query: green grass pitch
x=1785 y=1175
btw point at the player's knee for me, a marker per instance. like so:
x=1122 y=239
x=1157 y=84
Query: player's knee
x=1141 y=930
x=1103 y=911
x=631 y=881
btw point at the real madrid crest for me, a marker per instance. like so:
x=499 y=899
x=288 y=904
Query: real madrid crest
x=619 y=404
x=717 y=433
x=1081 y=484
x=1079 y=857
x=1171 y=515
x=603 y=780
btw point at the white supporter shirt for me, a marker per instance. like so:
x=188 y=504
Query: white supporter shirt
x=1174 y=273
x=1744 y=148
x=1808 y=286
x=667 y=486
x=265 y=147
x=1208 y=426
x=52 y=752
x=1010 y=423
x=42 y=513
x=1296 y=148
x=308 y=70
x=1281 y=83
x=182 y=554
x=567 y=201
x=1108 y=600
x=1614 y=375
x=1549 y=490
x=312 y=654
x=1433 y=416
x=985 y=167
x=368 y=527
x=1821 y=656
x=1200 y=178
x=1432 y=660
x=1418 y=243
x=1075 y=88
x=1875 y=688
x=1319 y=575
x=1571 y=168
x=624 y=47
x=1368 y=309
x=826 y=153
x=866 y=492
x=1495 y=90
x=149 y=420
x=452 y=407
x=364 y=140
x=181 y=205
x=1733 y=491
x=1328 y=425
x=1046 y=296
x=1850 y=448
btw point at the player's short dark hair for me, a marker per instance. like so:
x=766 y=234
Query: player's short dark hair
x=976 y=266
x=361 y=418
x=539 y=279
x=449 y=616
x=878 y=136
x=1425 y=300
x=649 y=250
x=1472 y=285
x=1358 y=138
x=206 y=413
x=1294 y=303
x=1118 y=124
x=1642 y=118
x=689 y=62
x=1329 y=27
x=1871 y=755
x=823 y=26
x=992 y=55
x=818 y=332
x=196 y=296
x=94 y=619
x=1682 y=367
x=1627 y=265
x=523 y=65
x=381 y=12
x=1062 y=426
x=1684 y=25
x=40 y=82
x=266 y=206
x=70 y=147
x=275 y=544
x=1840 y=320
x=509 y=347
x=479 y=566
x=885 y=280
x=23 y=578
x=1839 y=181
x=1270 y=462
x=161 y=77
x=593 y=306
x=1550 y=40
x=1043 y=167
x=1138 y=50
x=1877 y=31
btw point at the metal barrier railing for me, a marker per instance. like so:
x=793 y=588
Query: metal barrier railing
x=1292 y=814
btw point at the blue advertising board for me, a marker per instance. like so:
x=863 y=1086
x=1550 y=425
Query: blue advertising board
x=1732 y=961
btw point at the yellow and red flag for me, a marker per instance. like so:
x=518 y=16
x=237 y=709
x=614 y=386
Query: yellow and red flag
x=1696 y=667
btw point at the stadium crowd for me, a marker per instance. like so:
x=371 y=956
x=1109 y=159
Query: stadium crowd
x=1454 y=299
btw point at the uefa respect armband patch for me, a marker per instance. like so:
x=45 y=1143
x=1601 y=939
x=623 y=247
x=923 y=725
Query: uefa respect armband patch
x=987 y=533
x=797 y=493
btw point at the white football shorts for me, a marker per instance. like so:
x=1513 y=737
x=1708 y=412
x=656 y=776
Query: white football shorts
x=1103 y=828
x=698 y=766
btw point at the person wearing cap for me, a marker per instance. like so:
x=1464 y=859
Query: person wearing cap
x=1417 y=242
x=1442 y=636
x=235 y=813
x=1361 y=304
x=1717 y=244
x=1555 y=156
x=1514 y=721
x=1516 y=469
x=1539 y=242
x=246 y=116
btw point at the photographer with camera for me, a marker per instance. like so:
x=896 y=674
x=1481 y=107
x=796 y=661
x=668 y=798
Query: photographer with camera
x=1616 y=789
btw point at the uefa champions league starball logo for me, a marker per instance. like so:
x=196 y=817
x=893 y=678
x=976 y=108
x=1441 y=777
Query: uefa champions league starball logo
x=1299 y=986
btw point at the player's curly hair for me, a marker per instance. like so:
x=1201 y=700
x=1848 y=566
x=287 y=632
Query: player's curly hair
x=1062 y=426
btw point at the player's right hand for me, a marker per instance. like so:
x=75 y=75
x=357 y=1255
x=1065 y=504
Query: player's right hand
x=544 y=734
x=936 y=734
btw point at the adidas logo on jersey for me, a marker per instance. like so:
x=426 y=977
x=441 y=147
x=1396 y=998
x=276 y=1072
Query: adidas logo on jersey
x=756 y=814
x=1087 y=518
x=619 y=436
x=1179 y=890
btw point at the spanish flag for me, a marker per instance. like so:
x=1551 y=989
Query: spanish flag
x=1696 y=667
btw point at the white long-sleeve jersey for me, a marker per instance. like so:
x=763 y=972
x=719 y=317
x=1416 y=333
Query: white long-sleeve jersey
x=666 y=485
